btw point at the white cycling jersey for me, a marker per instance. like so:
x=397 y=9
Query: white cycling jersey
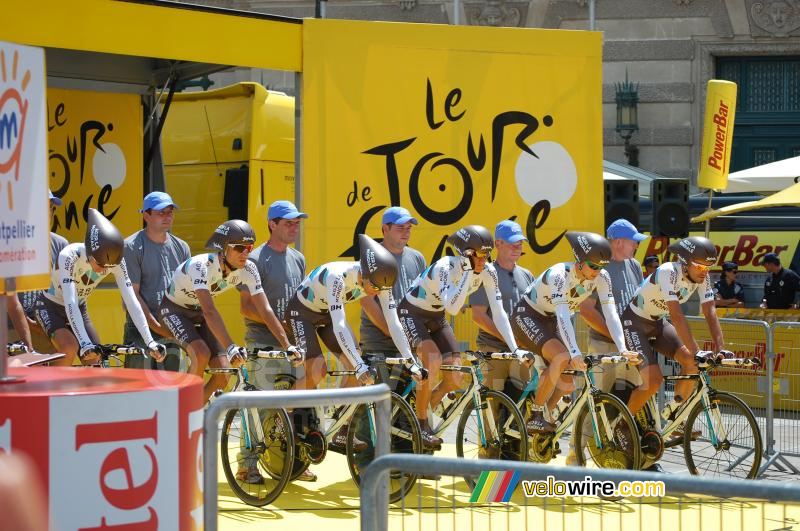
x=73 y=279
x=667 y=283
x=558 y=291
x=204 y=271
x=445 y=285
x=330 y=286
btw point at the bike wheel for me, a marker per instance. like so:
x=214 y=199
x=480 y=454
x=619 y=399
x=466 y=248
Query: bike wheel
x=508 y=439
x=257 y=471
x=405 y=438
x=738 y=455
x=622 y=450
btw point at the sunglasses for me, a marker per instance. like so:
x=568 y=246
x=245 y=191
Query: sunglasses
x=477 y=254
x=241 y=248
x=593 y=266
x=701 y=266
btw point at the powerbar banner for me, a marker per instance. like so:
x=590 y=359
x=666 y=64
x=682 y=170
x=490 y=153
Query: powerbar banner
x=95 y=157
x=461 y=125
x=715 y=155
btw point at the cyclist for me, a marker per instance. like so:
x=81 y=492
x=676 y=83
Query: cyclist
x=188 y=309
x=542 y=320
x=317 y=309
x=660 y=296
x=444 y=287
x=61 y=310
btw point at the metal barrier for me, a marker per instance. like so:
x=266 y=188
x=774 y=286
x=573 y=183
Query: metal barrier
x=288 y=399
x=783 y=355
x=374 y=514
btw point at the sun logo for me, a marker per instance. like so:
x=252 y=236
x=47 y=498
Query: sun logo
x=13 y=110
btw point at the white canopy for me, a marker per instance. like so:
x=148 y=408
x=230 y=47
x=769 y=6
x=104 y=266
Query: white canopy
x=772 y=177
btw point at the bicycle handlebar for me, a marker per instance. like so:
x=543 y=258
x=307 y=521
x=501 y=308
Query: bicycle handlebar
x=17 y=348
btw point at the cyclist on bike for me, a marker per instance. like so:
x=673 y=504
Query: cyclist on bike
x=542 y=320
x=444 y=287
x=317 y=309
x=188 y=309
x=61 y=310
x=660 y=296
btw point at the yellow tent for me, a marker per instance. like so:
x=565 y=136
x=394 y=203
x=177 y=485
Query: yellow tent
x=788 y=197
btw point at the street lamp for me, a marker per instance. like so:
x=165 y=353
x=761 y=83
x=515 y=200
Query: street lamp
x=627 y=117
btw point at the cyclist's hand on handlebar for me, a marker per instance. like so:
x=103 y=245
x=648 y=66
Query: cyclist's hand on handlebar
x=236 y=355
x=418 y=373
x=90 y=354
x=295 y=355
x=632 y=357
x=525 y=357
x=157 y=351
x=725 y=354
x=577 y=363
x=364 y=374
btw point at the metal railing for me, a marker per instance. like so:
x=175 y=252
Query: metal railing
x=374 y=513
x=379 y=394
x=783 y=387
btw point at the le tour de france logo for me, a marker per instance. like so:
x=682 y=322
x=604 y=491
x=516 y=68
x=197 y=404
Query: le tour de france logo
x=13 y=110
x=545 y=173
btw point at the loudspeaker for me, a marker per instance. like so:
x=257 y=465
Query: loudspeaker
x=622 y=200
x=670 y=207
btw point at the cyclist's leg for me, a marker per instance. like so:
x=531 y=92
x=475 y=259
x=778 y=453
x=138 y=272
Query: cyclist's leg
x=669 y=343
x=64 y=341
x=328 y=336
x=442 y=334
x=637 y=334
x=432 y=359
x=301 y=331
x=553 y=385
x=52 y=318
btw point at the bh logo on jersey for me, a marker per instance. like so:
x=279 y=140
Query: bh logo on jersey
x=13 y=110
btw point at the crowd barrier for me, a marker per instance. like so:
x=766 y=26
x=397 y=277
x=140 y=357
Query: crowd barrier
x=687 y=502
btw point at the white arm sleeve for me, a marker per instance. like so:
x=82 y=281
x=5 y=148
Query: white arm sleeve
x=491 y=286
x=131 y=302
x=607 y=303
x=66 y=265
x=453 y=296
x=565 y=330
x=389 y=308
x=344 y=336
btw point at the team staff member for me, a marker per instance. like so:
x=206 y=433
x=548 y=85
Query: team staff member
x=650 y=264
x=152 y=254
x=39 y=340
x=512 y=281
x=781 y=287
x=727 y=292
x=397 y=223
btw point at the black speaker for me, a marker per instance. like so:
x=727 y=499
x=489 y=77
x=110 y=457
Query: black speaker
x=622 y=201
x=670 y=207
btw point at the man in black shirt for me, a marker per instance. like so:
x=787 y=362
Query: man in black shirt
x=781 y=287
x=727 y=292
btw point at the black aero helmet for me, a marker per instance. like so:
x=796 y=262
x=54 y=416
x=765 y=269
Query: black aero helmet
x=103 y=241
x=232 y=232
x=589 y=247
x=474 y=238
x=694 y=249
x=378 y=265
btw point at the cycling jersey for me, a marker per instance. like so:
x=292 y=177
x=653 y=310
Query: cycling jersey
x=667 y=283
x=204 y=271
x=558 y=291
x=330 y=286
x=73 y=279
x=444 y=286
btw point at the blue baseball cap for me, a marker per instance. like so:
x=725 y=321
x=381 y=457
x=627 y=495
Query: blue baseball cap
x=398 y=215
x=509 y=231
x=284 y=210
x=157 y=201
x=622 y=228
x=55 y=199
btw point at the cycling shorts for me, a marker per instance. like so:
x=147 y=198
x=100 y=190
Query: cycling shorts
x=421 y=325
x=187 y=325
x=52 y=316
x=647 y=336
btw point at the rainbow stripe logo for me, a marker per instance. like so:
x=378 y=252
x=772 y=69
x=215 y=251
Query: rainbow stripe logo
x=495 y=487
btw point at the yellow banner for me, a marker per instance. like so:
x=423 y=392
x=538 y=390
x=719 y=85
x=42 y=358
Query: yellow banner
x=746 y=249
x=461 y=125
x=95 y=152
x=715 y=155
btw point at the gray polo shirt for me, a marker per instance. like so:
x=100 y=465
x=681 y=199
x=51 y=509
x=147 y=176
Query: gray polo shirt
x=28 y=298
x=512 y=285
x=410 y=264
x=626 y=277
x=151 y=265
x=280 y=273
